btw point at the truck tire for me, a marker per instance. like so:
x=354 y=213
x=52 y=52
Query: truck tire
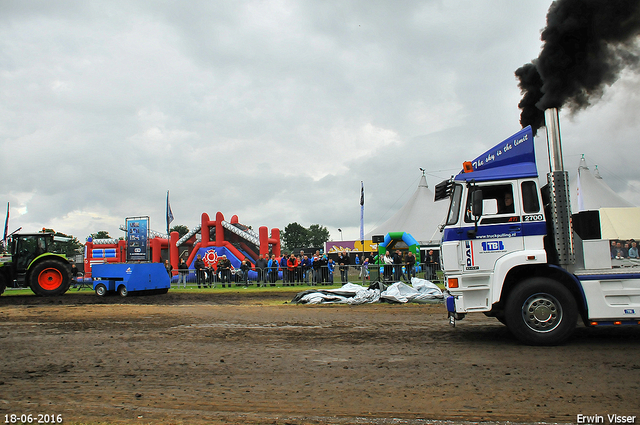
x=122 y=291
x=101 y=290
x=50 y=277
x=541 y=311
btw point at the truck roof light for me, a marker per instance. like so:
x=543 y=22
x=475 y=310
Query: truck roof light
x=452 y=282
x=467 y=166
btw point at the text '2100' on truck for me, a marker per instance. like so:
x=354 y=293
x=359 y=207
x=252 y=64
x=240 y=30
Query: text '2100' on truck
x=512 y=250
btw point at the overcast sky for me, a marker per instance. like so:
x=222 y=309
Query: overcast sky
x=270 y=110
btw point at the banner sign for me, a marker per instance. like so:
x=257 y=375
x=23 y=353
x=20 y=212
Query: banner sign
x=137 y=238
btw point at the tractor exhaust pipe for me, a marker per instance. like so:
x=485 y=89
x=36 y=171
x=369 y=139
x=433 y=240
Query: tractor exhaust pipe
x=558 y=180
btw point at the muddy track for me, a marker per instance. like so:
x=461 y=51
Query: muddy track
x=225 y=358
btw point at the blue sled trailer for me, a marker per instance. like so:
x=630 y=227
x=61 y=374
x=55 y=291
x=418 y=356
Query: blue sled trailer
x=152 y=278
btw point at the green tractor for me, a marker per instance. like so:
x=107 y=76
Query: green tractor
x=34 y=263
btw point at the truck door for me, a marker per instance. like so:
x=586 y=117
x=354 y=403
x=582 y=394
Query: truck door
x=499 y=229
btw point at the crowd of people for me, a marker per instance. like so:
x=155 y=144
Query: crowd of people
x=303 y=268
x=624 y=249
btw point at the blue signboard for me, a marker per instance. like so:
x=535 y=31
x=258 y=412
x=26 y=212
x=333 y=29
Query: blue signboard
x=512 y=158
x=137 y=238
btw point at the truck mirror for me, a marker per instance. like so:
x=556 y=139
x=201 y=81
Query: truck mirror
x=476 y=203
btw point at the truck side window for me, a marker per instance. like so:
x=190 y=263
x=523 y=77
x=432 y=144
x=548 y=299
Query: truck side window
x=454 y=207
x=502 y=193
x=530 y=201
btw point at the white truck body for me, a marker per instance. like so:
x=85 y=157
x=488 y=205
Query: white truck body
x=499 y=257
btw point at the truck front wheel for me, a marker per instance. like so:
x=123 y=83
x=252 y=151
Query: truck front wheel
x=50 y=277
x=541 y=311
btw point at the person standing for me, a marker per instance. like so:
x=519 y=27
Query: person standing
x=183 y=272
x=200 y=270
x=388 y=266
x=245 y=266
x=292 y=264
x=411 y=263
x=345 y=262
x=261 y=267
x=397 y=265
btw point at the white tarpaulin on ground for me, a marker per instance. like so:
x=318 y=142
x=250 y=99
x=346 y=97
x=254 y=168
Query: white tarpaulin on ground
x=421 y=291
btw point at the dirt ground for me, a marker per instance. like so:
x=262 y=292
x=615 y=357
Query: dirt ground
x=238 y=358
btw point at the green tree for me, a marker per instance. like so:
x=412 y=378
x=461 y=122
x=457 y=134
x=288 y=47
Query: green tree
x=318 y=235
x=180 y=228
x=295 y=236
x=101 y=234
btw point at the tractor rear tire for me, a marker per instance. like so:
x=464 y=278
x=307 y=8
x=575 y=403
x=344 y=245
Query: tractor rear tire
x=3 y=284
x=50 y=278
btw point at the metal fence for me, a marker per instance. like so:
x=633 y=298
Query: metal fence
x=321 y=276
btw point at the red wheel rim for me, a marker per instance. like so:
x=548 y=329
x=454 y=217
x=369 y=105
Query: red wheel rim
x=50 y=279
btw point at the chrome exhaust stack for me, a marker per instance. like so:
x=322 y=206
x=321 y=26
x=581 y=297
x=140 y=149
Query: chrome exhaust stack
x=558 y=180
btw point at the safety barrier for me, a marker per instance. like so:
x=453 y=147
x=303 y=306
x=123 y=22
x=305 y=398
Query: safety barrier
x=325 y=275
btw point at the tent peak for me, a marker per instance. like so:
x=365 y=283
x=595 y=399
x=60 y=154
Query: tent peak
x=423 y=182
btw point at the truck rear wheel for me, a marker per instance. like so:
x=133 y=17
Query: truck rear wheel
x=541 y=311
x=50 y=277
x=122 y=291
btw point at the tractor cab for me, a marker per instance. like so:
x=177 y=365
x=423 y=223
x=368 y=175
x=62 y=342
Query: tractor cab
x=34 y=263
x=27 y=247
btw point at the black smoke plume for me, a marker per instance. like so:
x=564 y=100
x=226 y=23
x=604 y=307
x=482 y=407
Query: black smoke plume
x=585 y=46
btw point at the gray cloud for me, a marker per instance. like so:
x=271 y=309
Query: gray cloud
x=274 y=111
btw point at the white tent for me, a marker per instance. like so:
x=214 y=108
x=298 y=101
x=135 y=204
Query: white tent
x=619 y=218
x=420 y=216
x=589 y=192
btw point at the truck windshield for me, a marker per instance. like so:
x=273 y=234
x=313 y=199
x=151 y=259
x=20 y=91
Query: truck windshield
x=454 y=206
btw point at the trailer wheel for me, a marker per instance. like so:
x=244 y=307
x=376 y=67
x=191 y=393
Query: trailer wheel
x=50 y=277
x=122 y=291
x=101 y=290
x=541 y=311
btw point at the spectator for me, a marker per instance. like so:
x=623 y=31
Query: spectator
x=397 y=265
x=411 y=263
x=245 y=266
x=365 y=268
x=273 y=270
x=183 y=272
x=388 y=267
x=262 y=265
x=284 y=267
x=200 y=271
x=633 y=251
x=344 y=262
x=169 y=269
x=331 y=266
x=292 y=265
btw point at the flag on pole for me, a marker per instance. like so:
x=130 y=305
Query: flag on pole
x=362 y=213
x=169 y=213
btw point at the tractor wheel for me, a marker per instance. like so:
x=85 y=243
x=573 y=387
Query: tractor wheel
x=101 y=290
x=50 y=277
x=122 y=291
x=541 y=311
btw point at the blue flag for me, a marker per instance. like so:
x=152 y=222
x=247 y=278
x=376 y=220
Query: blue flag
x=169 y=213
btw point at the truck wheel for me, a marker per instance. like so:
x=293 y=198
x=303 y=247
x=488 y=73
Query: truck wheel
x=541 y=311
x=122 y=291
x=101 y=290
x=50 y=277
